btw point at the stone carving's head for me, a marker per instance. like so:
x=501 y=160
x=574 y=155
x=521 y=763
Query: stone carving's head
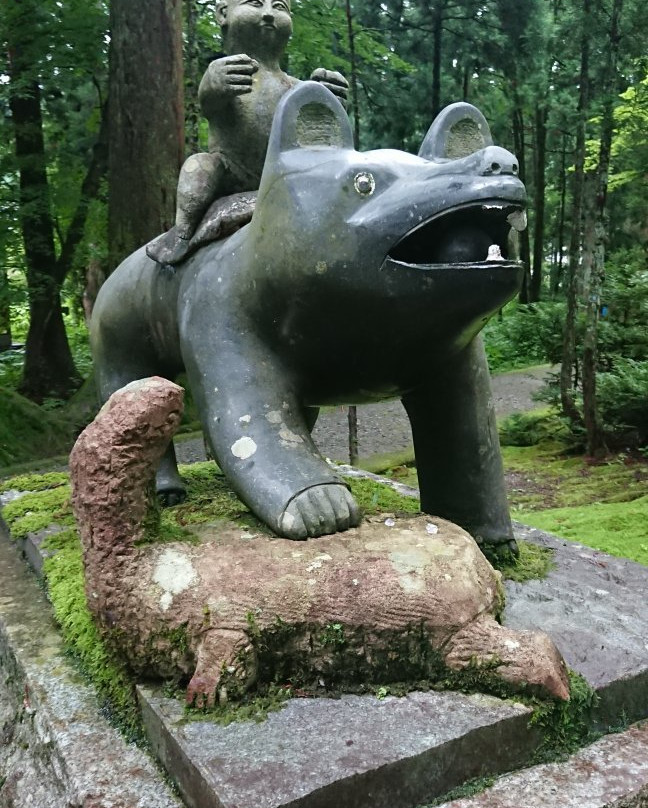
x=255 y=27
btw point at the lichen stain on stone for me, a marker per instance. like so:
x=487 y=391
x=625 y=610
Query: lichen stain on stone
x=317 y=562
x=409 y=565
x=173 y=573
x=243 y=448
x=274 y=417
x=289 y=438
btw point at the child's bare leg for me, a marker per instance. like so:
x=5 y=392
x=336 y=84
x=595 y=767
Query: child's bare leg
x=198 y=186
x=200 y=182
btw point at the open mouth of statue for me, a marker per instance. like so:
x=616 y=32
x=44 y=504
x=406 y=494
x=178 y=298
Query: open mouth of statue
x=480 y=233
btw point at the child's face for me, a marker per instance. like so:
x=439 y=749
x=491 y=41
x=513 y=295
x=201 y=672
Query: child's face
x=258 y=24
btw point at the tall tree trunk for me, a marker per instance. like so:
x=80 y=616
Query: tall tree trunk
x=49 y=369
x=535 y=285
x=192 y=78
x=355 y=105
x=5 y=312
x=567 y=385
x=593 y=425
x=146 y=121
x=519 y=141
x=437 y=45
x=557 y=273
x=352 y=413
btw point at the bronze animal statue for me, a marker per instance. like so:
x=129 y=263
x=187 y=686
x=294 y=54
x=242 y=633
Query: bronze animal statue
x=361 y=277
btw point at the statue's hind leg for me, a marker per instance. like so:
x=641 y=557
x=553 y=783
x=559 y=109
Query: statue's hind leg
x=457 y=449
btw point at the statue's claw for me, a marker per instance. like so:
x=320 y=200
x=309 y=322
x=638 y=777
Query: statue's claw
x=171 y=496
x=319 y=510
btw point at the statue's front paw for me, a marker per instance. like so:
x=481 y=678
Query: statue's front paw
x=319 y=510
x=202 y=690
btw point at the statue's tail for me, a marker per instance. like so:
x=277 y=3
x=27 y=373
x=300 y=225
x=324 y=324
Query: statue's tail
x=112 y=467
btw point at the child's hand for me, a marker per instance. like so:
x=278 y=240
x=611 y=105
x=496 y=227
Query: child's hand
x=232 y=75
x=333 y=81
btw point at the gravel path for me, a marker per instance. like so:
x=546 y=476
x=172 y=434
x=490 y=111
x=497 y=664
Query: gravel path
x=384 y=428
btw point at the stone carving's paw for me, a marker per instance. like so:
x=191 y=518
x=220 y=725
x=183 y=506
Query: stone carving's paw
x=319 y=510
x=333 y=81
x=201 y=690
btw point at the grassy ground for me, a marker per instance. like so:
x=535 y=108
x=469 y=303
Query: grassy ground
x=603 y=505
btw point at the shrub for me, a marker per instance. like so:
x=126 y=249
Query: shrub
x=525 y=335
x=532 y=428
x=622 y=395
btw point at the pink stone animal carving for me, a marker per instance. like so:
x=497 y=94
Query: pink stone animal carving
x=362 y=596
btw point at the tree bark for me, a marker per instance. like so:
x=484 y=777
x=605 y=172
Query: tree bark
x=437 y=39
x=5 y=312
x=49 y=369
x=567 y=385
x=535 y=285
x=558 y=272
x=520 y=152
x=192 y=78
x=355 y=105
x=593 y=424
x=352 y=412
x=146 y=121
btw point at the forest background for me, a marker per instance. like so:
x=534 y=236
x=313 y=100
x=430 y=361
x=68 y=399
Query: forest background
x=98 y=108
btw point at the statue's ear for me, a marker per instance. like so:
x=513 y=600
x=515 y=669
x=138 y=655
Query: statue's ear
x=220 y=12
x=308 y=116
x=457 y=131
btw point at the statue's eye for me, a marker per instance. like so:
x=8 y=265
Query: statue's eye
x=364 y=183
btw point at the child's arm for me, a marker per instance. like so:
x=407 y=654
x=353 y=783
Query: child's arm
x=224 y=79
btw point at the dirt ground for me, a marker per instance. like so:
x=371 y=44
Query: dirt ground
x=384 y=428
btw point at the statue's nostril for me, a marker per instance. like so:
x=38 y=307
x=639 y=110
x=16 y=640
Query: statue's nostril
x=496 y=168
x=515 y=168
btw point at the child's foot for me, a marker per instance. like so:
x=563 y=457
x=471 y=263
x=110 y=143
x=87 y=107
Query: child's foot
x=169 y=248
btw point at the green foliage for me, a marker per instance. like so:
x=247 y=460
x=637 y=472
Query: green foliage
x=565 y=725
x=29 y=431
x=622 y=395
x=532 y=428
x=524 y=335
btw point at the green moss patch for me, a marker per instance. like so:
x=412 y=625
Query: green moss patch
x=620 y=529
x=29 y=431
x=533 y=563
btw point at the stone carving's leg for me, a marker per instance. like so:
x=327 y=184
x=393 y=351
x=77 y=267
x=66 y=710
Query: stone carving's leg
x=222 y=653
x=457 y=449
x=526 y=659
x=200 y=182
x=257 y=428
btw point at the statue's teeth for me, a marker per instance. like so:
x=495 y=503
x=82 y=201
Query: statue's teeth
x=517 y=220
x=494 y=253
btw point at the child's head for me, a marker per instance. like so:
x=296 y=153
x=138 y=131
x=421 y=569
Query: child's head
x=255 y=27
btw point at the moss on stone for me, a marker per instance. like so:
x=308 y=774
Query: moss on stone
x=285 y=652
x=533 y=563
x=35 y=482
